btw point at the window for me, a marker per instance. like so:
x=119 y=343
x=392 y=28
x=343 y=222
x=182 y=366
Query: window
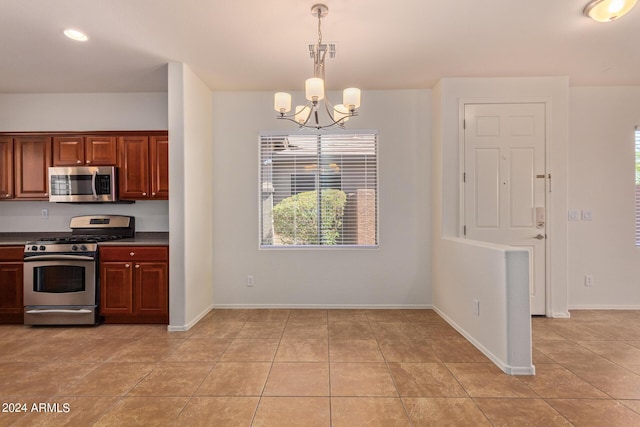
x=318 y=190
x=637 y=186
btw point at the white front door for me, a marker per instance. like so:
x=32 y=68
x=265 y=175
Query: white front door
x=505 y=182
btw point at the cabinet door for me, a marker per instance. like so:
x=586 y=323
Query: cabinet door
x=152 y=288
x=11 y=306
x=6 y=167
x=116 y=288
x=133 y=154
x=32 y=158
x=68 y=151
x=159 y=148
x=101 y=151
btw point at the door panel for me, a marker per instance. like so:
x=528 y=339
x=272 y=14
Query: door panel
x=504 y=164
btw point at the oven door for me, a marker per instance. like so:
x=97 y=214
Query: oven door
x=60 y=280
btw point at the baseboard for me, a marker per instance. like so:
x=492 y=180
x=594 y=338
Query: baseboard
x=561 y=315
x=604 y=307
x=506 y=368
x=191 y=324
x=327 y=306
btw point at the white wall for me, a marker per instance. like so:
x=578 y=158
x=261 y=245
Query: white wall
x=397 y=274
x=191 y=203
x=81 y=112
x=601 y=179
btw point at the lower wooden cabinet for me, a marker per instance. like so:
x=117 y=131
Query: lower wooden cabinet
x=11 y=279
x=134 y=284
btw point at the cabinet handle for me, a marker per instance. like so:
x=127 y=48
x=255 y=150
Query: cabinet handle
x=88 y=161
x=127 y=265
x=79 y=161
x=46 y=194
x=144 y=194
x=8 y=195
x=137 y=265
x=153 y=194
x=132 y=253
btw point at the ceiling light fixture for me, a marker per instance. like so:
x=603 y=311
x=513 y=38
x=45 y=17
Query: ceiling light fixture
x=608 y=10
x=315 y=89
x=76 y=35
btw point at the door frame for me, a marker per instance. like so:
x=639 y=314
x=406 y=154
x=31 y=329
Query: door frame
x=462 y=102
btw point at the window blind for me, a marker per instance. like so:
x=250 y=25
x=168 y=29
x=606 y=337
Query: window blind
x=637 y=133
x=318 y=190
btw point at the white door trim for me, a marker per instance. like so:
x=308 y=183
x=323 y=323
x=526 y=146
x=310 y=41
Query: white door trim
x=549 y=182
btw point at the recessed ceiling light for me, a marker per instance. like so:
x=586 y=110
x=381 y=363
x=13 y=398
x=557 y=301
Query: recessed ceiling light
x=76 y=35
x=608 y=10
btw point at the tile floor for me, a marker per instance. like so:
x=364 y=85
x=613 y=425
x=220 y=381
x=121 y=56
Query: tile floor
x=318 y=368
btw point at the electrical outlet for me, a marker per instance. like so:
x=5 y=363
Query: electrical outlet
x=476 y=307
x=588 y=280
x=44 y=214
x=250 y=281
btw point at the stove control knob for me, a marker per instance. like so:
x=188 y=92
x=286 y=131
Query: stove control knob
x=83 y=248
x=74 y=248
x=42 y=248
x=34 y=248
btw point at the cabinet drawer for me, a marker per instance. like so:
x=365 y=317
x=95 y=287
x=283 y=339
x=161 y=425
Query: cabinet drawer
x=134 y=253
x=11 y=253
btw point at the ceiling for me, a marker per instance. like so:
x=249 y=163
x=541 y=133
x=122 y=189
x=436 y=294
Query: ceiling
x=262 y=44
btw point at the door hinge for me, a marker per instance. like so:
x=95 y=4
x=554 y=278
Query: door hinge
x=464 y=177
x=464 y=230
x=464 y=123
x=549 y=182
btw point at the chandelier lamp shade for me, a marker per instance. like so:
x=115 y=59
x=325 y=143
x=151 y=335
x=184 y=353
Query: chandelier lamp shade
x=308 y=115
x=608 y=10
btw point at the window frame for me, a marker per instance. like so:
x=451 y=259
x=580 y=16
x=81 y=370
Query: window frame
x=313 y=132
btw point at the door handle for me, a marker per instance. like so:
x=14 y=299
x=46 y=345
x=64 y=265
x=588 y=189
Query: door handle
x=539 y=237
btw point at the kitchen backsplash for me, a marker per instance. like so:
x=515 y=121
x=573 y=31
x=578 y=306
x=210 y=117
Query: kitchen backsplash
x=29 y=216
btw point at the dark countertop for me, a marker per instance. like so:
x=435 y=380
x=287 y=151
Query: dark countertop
x=141 y=239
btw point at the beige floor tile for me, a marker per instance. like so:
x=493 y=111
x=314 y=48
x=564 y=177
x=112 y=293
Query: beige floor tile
x=223 y=330
x=199 y=350
x=354 y=350
x=539 y=358
x=108 y=379
x=305 y=330
x=68 y=411
x=261 y=330
x=172 y=379
x=303 y=350
x=567 y=352
x=298 y=379
x=457 y=412
x=407 y=351
x=347 y=315
x=521 y=412
x=590 y=412
x=99 y=350
x=316 y=317
x=269 y=315
x=556 y=382
x=617 y=352
x=486 y=380
x=370 y=412
x=617 y=382
x=149 y=350
x=361 y=379
x=250 y=350
x=350 y=330
x=293 y=412
x=421 y=315
x=398 y=331
x=457 y=350
x=384 y=315
x=235 y=379
x=437 y=331
x=230 y=315
x=218 y=412
x=143 y=411
x=45 y=379
x=425 y=380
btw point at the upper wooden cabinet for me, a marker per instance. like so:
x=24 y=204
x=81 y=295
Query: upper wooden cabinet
x=85 y=150
x=143 y=167
x=32 y=158
x=6 y=167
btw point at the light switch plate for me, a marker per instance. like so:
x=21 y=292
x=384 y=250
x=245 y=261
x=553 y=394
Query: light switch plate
x=587 y=215
x=574 y=215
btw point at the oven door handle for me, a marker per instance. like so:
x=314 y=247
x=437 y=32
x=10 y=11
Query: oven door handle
x=93 y=184
x=58 y=310
x=59 y=258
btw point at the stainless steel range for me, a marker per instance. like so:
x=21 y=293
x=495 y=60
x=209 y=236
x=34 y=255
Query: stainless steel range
x=61 y=273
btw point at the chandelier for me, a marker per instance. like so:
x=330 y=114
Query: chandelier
x=307 y=116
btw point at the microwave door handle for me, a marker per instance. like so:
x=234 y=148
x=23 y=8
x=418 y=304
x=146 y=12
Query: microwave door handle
x=93 y=184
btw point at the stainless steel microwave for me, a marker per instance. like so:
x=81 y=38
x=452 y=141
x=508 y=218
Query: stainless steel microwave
x=83 y=184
